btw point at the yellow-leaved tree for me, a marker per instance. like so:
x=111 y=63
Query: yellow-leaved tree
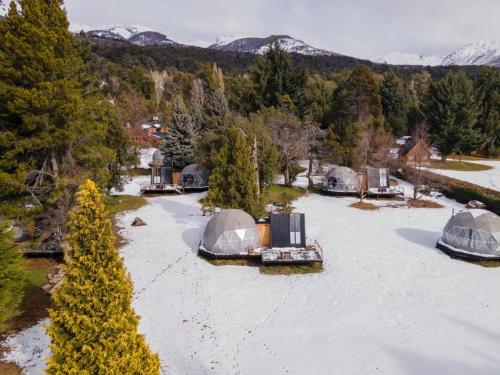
x=93 y=328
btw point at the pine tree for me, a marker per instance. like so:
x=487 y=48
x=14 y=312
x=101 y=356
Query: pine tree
x=93 y=328
x=488 y=87
x=276 y=80
x=452 y=112
x=40 y=93
x=180 y=143
x=53 y=116
x=394 y=103
x=12 y=275
x=232 y=181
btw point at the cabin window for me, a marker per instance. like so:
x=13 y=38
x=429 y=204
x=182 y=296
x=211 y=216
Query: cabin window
x=295 y=238
x=410 y=157
x=424 y=157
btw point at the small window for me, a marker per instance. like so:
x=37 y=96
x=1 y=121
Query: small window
x=295 y=235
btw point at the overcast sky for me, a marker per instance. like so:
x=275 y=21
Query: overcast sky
x=361 y=28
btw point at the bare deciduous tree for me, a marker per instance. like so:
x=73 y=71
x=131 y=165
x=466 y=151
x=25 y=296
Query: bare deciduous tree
x=289 y=135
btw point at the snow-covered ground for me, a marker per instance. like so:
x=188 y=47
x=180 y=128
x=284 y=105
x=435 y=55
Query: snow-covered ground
x=489 y=179
x=387 y=302
x=29 y=348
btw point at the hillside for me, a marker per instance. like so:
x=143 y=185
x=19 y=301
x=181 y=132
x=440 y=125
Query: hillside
x=189 y=59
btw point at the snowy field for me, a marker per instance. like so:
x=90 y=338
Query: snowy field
x=489 y=179
x=387 y=302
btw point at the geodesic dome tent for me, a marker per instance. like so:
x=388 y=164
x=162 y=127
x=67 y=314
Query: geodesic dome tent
x=157 y=159
x=194 y=176
x=472 y=237
x=231 y=232
x=341 y=180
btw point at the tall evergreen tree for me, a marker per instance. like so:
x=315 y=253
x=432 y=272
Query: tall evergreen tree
x=40 y=94
x=180 y=143
x=394 y=103
x=93 y=328
x=452 y=112
x=488 y=87
x=232 y=181
x=356 y=109
x=277 y=82
x=12 y=275
x=53 y=117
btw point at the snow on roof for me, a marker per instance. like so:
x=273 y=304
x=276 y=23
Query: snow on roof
x=403 y=140
x=145 y=126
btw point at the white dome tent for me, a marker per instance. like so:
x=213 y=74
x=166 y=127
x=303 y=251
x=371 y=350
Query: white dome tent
x=472 y=237
x=341 y=180
x=230 y=233
x=194 y=177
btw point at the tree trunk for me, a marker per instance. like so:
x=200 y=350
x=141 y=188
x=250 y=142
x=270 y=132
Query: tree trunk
x=309 y=171
x=255 y=161
x=287 y=176
x=54 y=166
x=443 y=158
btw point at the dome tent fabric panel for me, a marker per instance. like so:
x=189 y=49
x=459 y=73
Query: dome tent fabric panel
x=157 y=158
x=195 y=176
x=480 y=235
x=342 y=179
x=231 y=232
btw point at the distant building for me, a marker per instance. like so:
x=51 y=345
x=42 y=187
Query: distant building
x=414 y=152
x=148 y=134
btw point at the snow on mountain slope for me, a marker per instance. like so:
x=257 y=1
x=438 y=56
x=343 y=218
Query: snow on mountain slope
x=401 y=58
x=261 y=45
x=135 y=34
x=476 y=53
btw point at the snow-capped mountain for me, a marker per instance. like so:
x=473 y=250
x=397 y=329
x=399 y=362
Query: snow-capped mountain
x=476 y=53
x=261 y=45
x=401 y=58
x=135 y=34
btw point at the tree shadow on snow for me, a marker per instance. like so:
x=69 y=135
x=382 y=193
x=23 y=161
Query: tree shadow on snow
x=412 y=363
x=420 y=237
x=188 y=217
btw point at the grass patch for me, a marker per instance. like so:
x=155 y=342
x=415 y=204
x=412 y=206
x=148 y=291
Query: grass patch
x=271 y=269
x=120 y=203
x=282 y=195
x=472 y=157
x=302 y=269
x=365 y=206
x=422 y=203
x=455 y=165
x=139 y=172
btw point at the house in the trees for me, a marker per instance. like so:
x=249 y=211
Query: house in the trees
x=414 y=152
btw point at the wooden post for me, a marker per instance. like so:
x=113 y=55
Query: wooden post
x=255 y=161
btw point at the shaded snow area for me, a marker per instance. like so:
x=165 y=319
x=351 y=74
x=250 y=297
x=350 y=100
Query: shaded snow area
x=387 y=302
x=28 y=349
x=488 y=179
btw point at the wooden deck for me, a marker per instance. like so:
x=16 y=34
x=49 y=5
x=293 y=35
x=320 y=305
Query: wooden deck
x=161 y=188
x=272 y=256
x=310 y=254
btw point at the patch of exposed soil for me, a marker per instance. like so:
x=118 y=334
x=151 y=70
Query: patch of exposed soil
x=365 y=206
